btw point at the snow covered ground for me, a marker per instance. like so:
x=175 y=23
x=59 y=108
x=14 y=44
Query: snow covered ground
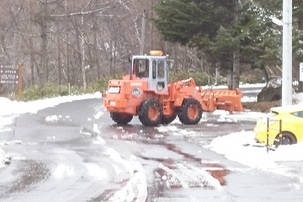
x=12 y=109
x=236 y=146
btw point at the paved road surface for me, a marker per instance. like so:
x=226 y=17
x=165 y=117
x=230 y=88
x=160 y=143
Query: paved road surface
x=74 y=152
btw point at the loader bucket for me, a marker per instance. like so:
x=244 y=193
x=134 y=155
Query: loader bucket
x=229 y=100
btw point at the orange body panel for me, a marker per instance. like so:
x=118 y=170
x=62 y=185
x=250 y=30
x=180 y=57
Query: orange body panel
x=229 y=100
x=210 y=100
x=126 y=96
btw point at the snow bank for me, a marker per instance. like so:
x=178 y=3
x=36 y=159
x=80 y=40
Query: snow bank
x=241 y=147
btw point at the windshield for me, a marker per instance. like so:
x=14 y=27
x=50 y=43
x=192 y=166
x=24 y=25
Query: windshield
x=298 y=114
x=141 y=67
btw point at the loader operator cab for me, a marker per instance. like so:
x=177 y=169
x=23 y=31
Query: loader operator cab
x=141 y=68
x=153 y=69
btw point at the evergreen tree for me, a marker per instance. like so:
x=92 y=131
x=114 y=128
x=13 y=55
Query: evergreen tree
x=183 y=21
x=276 y=7
x=230 y=31
x=196 y=23
x=260 y=38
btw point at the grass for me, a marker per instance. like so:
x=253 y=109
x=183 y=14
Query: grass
x=35 y=92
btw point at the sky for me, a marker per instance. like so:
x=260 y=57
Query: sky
x=241 y=146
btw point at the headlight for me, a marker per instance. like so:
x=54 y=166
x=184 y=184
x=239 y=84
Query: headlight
x=112 y=103
x=113 y=90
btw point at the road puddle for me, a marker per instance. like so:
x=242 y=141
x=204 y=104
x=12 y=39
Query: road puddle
x=217 y=171
x=190 y=172
x=175 y=173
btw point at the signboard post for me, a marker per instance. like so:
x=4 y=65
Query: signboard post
x=19 y=82
x=12 y=75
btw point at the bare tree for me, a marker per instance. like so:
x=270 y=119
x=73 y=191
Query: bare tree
x=79 y=41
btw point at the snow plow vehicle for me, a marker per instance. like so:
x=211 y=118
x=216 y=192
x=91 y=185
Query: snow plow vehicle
x=146 y=92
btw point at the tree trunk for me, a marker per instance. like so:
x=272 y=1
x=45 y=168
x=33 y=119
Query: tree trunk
x=176 y=62
x=32 y=55
x=236 y=69
x=83 y=53
x=236 y=53
x=111 y=48
x=300 y=26
x=217 y=74
x=59 y=55
x=67 y=44
x=44 y=42
x=95 y=54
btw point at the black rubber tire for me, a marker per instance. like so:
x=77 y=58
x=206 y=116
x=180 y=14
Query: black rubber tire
x=287 y=139
x=144 y=112
x=121 y=118
x=187 y=105
x=167 y=120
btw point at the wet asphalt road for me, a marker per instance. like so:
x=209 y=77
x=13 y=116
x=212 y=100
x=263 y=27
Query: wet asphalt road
x=59 y=160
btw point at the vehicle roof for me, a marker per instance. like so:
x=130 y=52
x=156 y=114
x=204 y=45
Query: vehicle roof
x=288 y=109
x=147 y=56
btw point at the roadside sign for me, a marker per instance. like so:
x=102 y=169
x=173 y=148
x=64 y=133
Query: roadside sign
x=8 y=75
x=301 y=72
x=12 y=75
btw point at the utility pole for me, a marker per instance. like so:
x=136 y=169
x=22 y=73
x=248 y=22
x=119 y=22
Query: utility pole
x=287 y=54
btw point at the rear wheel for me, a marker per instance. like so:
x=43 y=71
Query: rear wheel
x=150 y=112
x=286 y=139
x=190 y=111
x=121 y=118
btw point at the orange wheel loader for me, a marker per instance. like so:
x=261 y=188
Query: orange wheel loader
x=146 y=92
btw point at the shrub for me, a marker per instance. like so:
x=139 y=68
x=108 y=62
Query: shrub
x=35 y=92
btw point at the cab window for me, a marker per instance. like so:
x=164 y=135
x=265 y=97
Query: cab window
x=154 y=68
x=161 y=69
x=141 y=68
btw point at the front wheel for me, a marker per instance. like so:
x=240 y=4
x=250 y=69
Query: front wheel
x=286 y=139
x=121 y=118
x=190 y=112
x=150 y=112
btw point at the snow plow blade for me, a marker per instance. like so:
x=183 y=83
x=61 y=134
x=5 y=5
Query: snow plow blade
x=229 y=100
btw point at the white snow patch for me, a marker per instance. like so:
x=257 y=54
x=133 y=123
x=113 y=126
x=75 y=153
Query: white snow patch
x=99 y=141
x=96 y=129
x=136 y=187
x=96 y=171
x=53 y=118
x=62 y=171
x=2 y=158
x=98 y=115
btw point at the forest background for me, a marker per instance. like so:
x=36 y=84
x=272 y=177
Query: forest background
x=81 y=44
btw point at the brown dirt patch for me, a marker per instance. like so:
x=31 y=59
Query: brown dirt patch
x=260 y=106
